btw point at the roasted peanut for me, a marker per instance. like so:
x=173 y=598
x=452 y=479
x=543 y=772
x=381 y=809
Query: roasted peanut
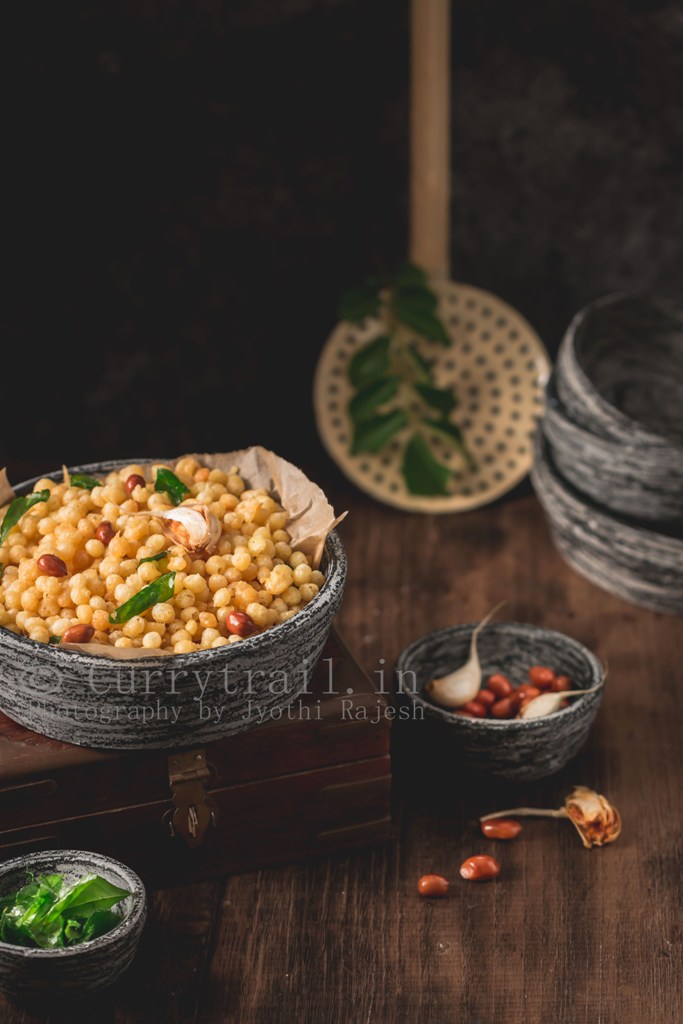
x=501 y=828
x=499 y=685
x=105 y=531
x=486 y=697
x=52 y=565
x=541 y=676
x=133 y=481
x=432 y=885
x=475 y=708
x=503 y=708
x=240 y=624
x=480 y=869
x=560 y=684
x=81 y=634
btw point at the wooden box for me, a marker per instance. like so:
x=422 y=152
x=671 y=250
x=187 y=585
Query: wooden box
x=315 y=780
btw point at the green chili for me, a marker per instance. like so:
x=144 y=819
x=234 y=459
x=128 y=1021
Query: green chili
x=17 y=509
x=85 y=481
x=169 y=482
x=154 y=593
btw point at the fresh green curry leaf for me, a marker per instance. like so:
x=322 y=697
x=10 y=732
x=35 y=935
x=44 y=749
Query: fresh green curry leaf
x=370 y=362
x=373 y=433
x=365 y=401
x=410 y=276
x=423 y=473
x=441 y=399
x=41 y=915
x=451 y=432
x=359 y=303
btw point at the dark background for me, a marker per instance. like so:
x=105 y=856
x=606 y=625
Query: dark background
x=191 y=185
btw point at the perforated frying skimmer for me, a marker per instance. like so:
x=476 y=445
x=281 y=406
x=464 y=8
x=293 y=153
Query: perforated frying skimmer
x=496 y=363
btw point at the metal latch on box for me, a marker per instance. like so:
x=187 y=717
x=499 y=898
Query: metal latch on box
x=193 y=809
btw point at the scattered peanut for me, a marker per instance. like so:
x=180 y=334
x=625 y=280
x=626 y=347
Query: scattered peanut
x=501 y=828
x=480 y=869
x=432 y=885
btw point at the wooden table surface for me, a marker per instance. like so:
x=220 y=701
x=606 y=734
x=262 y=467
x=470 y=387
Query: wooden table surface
x=564 y=936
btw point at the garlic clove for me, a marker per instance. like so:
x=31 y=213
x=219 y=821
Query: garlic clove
x=191 y=525
x=549 y=703
x=463 y=685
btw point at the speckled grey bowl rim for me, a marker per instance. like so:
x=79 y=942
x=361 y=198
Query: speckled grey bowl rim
x=641 y=435
x=334 y=552
x=575 y=709
x=636 y=530
x=616 y=448
x=137 y=913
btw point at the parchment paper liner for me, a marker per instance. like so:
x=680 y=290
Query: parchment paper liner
x=311 y=517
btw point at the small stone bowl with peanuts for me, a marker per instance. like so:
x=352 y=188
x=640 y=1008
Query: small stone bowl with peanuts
x=519 y=663
x=108 y=565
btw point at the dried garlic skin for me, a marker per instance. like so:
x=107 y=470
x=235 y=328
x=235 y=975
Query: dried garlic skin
x=596 y=821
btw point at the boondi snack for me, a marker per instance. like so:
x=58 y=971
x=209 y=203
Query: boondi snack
x=199 y=560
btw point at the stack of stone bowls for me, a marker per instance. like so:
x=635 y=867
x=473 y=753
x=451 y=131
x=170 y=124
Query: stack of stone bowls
x=609 y=452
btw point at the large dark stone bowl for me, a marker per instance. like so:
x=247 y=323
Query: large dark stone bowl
x=57 y=974
x=167 y=701
x=627 y=479
x=619 y=373
x=638 y=561
x=515 y=750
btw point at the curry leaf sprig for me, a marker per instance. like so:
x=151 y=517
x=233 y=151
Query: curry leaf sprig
x=394 y=385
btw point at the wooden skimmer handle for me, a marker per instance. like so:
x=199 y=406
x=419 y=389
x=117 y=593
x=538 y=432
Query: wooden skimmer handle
x=430 y=135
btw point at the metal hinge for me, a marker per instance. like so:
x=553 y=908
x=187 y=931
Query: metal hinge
x=193 y=809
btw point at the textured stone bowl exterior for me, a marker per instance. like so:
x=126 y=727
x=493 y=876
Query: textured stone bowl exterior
x=167 y=701
x=622 y=478
x=619 y=374
x=514 y=750
x=56 y=974
x=626 y=557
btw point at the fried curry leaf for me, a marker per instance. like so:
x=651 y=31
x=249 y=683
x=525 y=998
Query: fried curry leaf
x=85 y=481
x=17 y=509
x=154 y=593
x=169 y=483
